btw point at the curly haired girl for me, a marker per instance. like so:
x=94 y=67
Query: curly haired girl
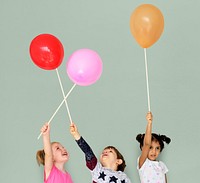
x=151 y=144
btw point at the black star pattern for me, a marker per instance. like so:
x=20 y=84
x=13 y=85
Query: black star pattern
x=123 y=181
x=113 y=179
x=102 y=175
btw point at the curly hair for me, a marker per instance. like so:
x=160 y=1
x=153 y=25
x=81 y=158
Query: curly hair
x=154 y=137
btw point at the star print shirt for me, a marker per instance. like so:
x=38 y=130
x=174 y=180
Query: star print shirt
x=99 y=173
x=152 y=171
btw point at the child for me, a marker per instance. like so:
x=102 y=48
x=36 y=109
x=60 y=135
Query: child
x=53 y=157
x=150 y=170
x=111 y=166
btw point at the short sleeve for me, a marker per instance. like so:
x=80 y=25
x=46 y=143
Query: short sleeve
x=164 y=167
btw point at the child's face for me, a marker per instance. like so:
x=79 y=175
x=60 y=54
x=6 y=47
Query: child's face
x=154 y=150
x=108 y=158
x=60 y=154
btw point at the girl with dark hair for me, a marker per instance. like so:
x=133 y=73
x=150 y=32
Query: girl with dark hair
x=53 y=157
x=150 y=169
x=111 y=167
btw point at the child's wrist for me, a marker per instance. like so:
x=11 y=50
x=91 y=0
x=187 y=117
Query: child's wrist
x=77 y=136
x=149 y=122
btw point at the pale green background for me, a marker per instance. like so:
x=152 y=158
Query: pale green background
x=111 y=111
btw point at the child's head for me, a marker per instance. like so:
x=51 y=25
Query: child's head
x=112 y=157
x=60 y=154
x=157 y=144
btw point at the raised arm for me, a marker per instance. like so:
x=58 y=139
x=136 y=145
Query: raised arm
x=147 y=139
x=47 y=149
x=90 y=158
x=74 y=131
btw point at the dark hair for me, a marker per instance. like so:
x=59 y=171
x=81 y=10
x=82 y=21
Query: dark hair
x=154 y=137
x=122 y=166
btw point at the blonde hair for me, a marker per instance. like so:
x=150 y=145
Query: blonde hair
x=40 y=156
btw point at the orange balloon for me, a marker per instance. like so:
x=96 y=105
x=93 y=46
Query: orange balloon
x=146 y=24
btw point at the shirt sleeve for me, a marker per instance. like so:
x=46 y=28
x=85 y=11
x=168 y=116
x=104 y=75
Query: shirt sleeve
x=164 y=167
x=91 y=160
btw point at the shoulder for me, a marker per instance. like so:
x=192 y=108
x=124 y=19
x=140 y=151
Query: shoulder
x=69 y=178
x=163 y=166
x=52 y=172
x=122 y=176
x=146 y=162
x=98 y=167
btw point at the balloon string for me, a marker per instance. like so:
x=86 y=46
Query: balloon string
x=59 y=107
x=61 y=86
x=147 y=79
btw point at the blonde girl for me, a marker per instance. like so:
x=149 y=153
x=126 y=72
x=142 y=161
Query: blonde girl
x=54 y=157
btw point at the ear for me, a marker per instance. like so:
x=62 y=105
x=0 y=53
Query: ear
x=119 y=161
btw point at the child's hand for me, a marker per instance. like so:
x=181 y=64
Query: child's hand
x=45 y=129
x=74 y=131
x=149 y=117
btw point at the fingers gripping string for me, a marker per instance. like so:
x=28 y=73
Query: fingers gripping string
x=147 y=79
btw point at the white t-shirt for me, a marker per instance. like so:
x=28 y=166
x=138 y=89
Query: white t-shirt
x=152 y=171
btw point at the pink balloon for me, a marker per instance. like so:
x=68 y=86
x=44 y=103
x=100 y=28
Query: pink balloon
x=84 y=67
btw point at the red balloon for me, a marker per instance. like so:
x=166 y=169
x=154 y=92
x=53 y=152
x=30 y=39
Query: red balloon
x=46 y=51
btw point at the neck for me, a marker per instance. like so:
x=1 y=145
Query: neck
x=112 y=167
x=60 y=166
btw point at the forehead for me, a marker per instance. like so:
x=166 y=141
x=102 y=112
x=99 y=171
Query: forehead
x=155 y=143
x=109 y=148
x=56 y=144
